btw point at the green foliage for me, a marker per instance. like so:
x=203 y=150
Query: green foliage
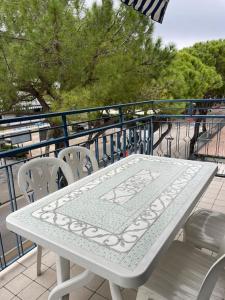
x=72 y=56
x=69 y=56
x=212 y=54
x=190 y=78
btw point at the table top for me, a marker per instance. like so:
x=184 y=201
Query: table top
x=118 y=221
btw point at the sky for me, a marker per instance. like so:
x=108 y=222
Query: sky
x=189 y=21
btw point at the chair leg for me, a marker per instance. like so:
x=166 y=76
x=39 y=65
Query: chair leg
x=39 y=254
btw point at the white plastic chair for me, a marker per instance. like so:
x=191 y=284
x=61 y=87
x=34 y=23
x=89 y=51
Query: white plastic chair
x=185 y=273
x=40 y=177
x=205 y=229
x=81 y=160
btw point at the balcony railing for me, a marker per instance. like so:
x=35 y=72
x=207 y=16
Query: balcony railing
x=187 y=129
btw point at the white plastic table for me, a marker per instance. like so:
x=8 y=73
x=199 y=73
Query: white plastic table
x=116 y=222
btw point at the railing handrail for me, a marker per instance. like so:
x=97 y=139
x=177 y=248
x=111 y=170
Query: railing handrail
x=67 y=137
x=98 y=108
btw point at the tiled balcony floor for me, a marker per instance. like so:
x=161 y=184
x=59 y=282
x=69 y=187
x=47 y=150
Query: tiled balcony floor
x=19 y=281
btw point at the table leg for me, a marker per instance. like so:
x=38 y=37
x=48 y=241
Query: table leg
x=115 y=291
x=63 y=272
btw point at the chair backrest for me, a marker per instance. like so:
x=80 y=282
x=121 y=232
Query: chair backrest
x=211 y=279
x=81 y=160
x=41 y=176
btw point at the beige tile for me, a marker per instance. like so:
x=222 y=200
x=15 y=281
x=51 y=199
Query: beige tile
x=18 y=283
x=219 y=202
x=49 y=259
x=104 y=290
x=45 y=251
x=211 y=194
x=221 y=195
x=215 y=184
x=81 y=294
x=52 y=286
x=44 y=296
x=218 y=179
x=53 y=267
x=10 y=272
x=5 y=294
x=97 y=297
x=32 y=292
x=223 y=186
x=15 y=298
x=76 y=270
x=31 y=271
x=219 y=208
x=29 y=259
x=95 y=283
x=205 y=205
x=129 y=294
x=180 y=237
x=207 y=200
x=47 y=278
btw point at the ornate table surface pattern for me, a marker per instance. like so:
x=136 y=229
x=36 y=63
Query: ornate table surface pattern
x=118 y=213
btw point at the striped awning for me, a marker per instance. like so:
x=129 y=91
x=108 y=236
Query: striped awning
x=152 y=8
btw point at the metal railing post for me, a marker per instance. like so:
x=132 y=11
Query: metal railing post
x=121 y=116
x=150 y=137
x=190 y=108
x=121 y=119
x=65 y=129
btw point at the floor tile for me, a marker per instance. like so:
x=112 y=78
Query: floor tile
x=11 y=272
x=18 y=284
x=53 y=267
x=221 y=195
x=129 y=294
x=45 y=251
x=49 y=259
x=29 y=259
x=32 y=292
x=81 y=294
x=97 y=297
x=104 y=290
x=219 y=208
x=212 y=194
x=47 y=278
x=95 y=283
x=52 y=286
x=205 y=205
x=219 y=202
x=216 y=184
x=76 y=270
x=44 y=296
x=5 y=294
x=207 y=200
x=223 y=186
x=31 y=271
